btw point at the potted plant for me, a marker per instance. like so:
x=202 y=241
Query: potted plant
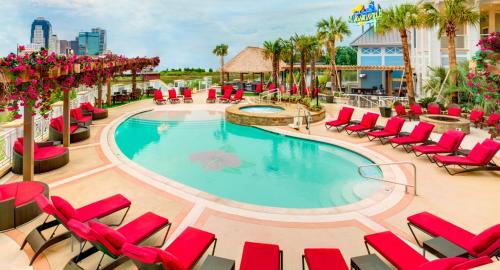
x=386 y=111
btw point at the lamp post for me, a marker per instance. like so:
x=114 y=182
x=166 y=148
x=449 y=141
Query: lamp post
x=317 y=91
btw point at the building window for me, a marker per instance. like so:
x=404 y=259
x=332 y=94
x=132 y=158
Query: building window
x=371 y=50
x=393 y=50
x=459 y=39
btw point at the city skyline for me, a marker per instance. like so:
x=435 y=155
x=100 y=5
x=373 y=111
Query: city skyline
x=157 y=29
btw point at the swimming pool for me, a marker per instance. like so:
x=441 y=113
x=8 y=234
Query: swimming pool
x=245 y=164
x=261 y=109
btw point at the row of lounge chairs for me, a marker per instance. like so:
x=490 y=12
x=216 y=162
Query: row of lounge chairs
x=126 y=242
x=445 y=153
x=188 y=98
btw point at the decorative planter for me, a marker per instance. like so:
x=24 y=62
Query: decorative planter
x=329 y=98
x=76 y=68
x=54 y=72
x=385 y=111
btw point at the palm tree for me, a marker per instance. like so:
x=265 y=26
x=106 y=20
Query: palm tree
x=314 y=53
x=304 y=48
x=447 y=17
x=288 y=55
x=402 y=18
x=221 y=50
x=330 y=31
x=273 y=50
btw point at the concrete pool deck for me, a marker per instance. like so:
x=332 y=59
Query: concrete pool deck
x=469 y=200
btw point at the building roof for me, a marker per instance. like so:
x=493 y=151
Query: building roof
x=371 y=38
x=250 y=60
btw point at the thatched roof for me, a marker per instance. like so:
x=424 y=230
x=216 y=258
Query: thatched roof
x=250 y=60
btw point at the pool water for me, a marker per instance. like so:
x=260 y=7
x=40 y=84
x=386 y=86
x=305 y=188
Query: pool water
x=245 y=164
x=261 y=109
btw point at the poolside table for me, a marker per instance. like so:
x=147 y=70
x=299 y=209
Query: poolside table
x=368 y=262
x=442 y=248
x=217 y=263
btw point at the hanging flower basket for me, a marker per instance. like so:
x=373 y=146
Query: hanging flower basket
x=54 y=72
x=6 y=75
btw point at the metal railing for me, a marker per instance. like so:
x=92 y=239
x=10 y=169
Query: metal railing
x=267 y=95
x=414 y=186
x=372 y=101
x=7 y=139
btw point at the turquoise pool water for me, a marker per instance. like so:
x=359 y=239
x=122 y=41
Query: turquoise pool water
x=245 y=164
x=261 y=109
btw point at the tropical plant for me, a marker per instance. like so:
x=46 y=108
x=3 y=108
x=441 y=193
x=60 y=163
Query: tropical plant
x=447 y=17
x=288 y=55
x=272 y=51
x=437 y=76
x=402 y=18
x=304 y=48
x=330 y=31
x=221 y=50
x=346 y=56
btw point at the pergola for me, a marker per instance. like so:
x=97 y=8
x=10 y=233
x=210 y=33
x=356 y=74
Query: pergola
x=249 y=60
x=387 y=69
x=29 y=79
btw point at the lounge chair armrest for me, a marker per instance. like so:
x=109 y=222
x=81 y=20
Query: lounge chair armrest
x=48 y=143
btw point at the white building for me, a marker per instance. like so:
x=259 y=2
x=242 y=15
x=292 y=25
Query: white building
x=431 y=51
x=53 y=44
x=38 y=38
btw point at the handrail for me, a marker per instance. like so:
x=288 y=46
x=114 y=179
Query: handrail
x=268 y=93
x=393 y=182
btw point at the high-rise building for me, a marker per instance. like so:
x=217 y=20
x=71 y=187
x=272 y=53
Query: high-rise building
x=88 y=43
x=102 y=39
x=63 y=46
x=73 y=45
x=53 y=44
x=41 y=30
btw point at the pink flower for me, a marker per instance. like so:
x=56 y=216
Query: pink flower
x=17 y=116
x=21 y=48
x=487 y=97
x=470 y=75
x=19 y=81
x=470 y=84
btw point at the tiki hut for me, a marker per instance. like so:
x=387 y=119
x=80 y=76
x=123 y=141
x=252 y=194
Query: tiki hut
x=249 y=60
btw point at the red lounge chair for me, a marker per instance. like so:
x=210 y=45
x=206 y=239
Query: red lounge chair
x=391 y=129
x=323 y=259
x=294 y=89
x=433 y=108
x=271 y=87
x=238 y=96
x=182 y=254
x=476 y=117
x=486 y=243
x=258 y=88
x=212 y=95
x=62 y=211
x=17 y=203
x=448 y=143
x=454 y=110
x=367 y=123
x=47 y=156
x=404 y=257
x=226 y=96
x=97 y=113
x=77 y=133
x=261 y=256
x=480 y=158
x=158 y=97
x=80 y=119
x=343 y=119
x=419 y=134
x=172 y=96
x=187 y=97
x=110 y=241
x=415 y=111
x=400 y=110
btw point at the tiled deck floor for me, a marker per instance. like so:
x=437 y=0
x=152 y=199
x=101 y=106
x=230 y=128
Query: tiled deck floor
x=470 y=200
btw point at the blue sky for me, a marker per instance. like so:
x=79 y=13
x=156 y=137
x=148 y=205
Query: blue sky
x=183 y=32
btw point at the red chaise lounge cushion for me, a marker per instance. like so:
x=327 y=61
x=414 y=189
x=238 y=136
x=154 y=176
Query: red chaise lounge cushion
x=189 y=246
x=260 y=256
x=395 y=250
x=324 y=258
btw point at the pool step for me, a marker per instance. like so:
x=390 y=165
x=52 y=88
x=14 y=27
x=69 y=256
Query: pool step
x=348 y=194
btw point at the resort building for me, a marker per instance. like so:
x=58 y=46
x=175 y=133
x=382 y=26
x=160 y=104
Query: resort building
x=379 y=50
x=431 y=51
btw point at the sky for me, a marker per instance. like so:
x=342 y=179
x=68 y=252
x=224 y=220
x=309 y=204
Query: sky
x=182 y=32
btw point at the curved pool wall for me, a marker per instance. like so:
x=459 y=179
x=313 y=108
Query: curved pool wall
x=262 y=109
x=282 y=115
x=245 y=164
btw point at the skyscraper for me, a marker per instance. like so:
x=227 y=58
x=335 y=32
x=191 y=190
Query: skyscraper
x=63 y=46
x=53 y=44
x=73 y=44
x=41 y=30
x=102 y=39
x=88 y=43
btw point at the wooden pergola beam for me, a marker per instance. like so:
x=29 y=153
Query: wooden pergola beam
x=345 y=67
